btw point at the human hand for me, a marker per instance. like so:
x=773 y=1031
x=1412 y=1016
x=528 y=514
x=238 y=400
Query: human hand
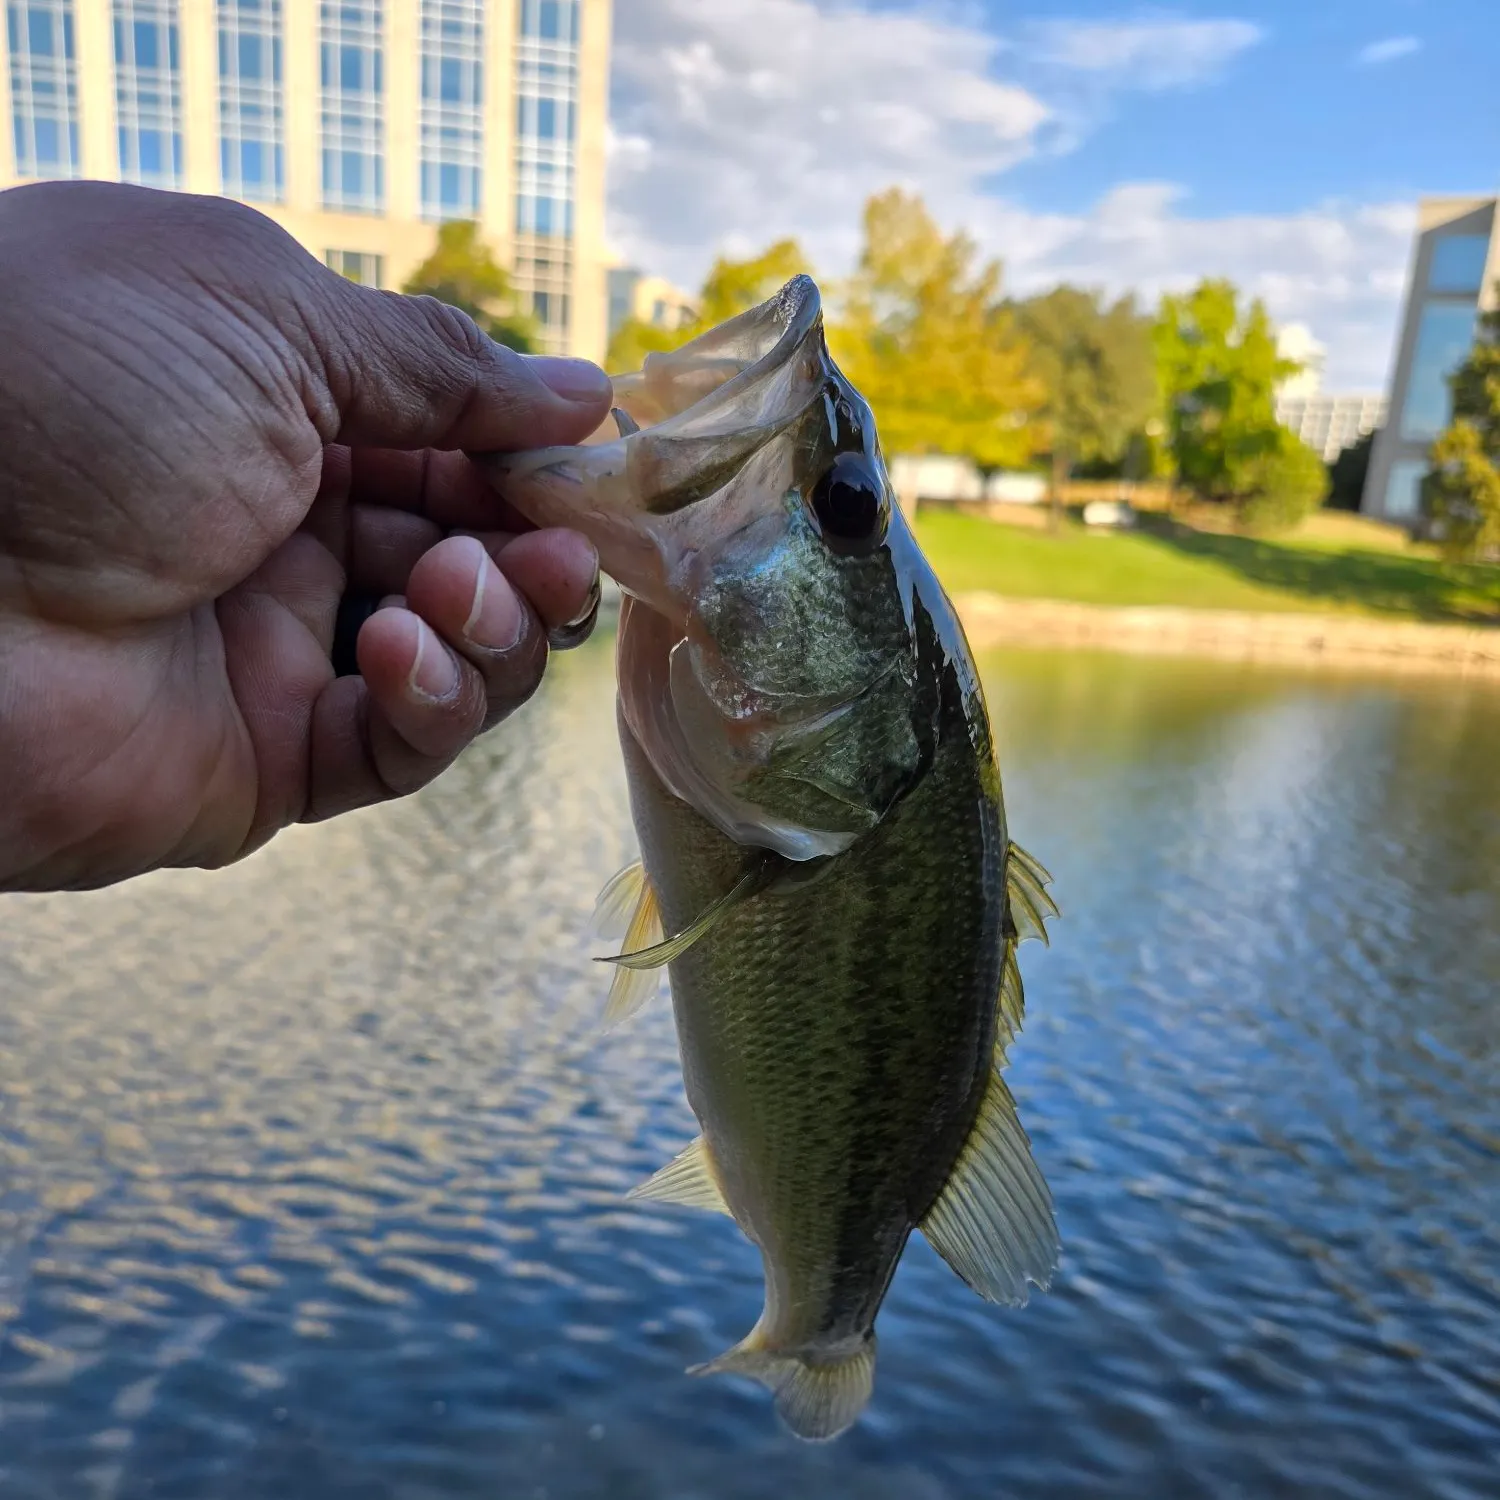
x=208 y=437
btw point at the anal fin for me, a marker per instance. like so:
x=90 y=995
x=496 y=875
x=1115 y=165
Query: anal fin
x=688 y=1179
x=819 y=1393
x=993 y=1220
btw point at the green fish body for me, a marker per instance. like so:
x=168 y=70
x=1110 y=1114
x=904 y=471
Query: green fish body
x=814 y=787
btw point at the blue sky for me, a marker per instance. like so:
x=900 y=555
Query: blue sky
x=1133 y=148
x=1301 y=115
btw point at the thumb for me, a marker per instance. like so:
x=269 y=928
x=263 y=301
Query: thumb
x=412 y=372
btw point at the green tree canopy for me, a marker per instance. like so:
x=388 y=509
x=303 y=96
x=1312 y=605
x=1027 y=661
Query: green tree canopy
x=1218 y=368
x=1096 y=365
x=463 y=272
x=924 y=336
x=1463 y=490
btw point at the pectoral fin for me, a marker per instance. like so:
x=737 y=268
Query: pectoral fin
x=627 y=907
x=687 y=1179
x=993 y=1221
x=756 y=878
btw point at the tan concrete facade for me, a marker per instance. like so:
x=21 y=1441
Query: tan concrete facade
x=568 y=267
x=1399 y=456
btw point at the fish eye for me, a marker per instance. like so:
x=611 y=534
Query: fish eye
x=849 y=505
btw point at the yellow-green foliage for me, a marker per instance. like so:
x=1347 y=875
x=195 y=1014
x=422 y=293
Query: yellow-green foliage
x=463 y=272
x=922 y=334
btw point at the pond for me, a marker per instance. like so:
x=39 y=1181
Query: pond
x=311 y=1171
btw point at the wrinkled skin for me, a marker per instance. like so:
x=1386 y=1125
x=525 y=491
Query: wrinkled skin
x=208 y=438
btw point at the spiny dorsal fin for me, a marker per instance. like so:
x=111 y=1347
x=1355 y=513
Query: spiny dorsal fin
x=627 y=908
x=688 y=1179
x=752 y=882
x=993 y=1221
x=1012 y=1000
x=1030 y=905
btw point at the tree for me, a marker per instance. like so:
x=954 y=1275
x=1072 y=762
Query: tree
x=1096 y=366
x=1286 y=485
x=1348 y=473
x=1462 y=492
x=923 y=335
x=1218 y=370
x=732 y=287
x=463 y=272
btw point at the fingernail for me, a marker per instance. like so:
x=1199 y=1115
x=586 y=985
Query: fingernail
x=495 y=618
x=581 y=626
x=434 y=674
x=572 y=379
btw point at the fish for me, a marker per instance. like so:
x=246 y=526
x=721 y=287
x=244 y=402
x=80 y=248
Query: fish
x=826 y=873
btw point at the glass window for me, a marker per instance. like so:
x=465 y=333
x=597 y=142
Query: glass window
x=1403 y=489
x=1458 y=263
x=357 y=265
x=351 y=36
x=546 y=91
x=1444 y=338
x=252 y=128
x=148 y=92
x=452 y=108
x=43 y=88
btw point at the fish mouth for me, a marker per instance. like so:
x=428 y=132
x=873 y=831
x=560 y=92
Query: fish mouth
x=683 y=428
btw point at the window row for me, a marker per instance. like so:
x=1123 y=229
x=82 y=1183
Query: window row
x=251 y=65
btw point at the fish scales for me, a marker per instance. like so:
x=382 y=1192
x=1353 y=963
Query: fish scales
x=835 y=1039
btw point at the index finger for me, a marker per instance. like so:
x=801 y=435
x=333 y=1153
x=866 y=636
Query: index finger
x=444 y=486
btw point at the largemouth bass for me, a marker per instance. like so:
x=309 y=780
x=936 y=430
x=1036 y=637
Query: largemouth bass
x=815 y=791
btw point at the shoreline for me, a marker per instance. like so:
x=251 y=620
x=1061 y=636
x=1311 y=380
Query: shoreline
x=1287 y=639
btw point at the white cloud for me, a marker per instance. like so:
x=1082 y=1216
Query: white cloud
x=1386 y=51
x=1150 y=53
x=1338 y=268
x=739 y=121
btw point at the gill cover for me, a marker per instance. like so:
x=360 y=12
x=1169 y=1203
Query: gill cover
x=768 y=660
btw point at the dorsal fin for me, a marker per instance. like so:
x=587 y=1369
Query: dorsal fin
x=627 y=908
x=1026 y=883
x=1012 y=1000
x=993 y=1220
x=689 y=1179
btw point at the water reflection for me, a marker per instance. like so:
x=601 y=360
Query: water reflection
x=310 y=1172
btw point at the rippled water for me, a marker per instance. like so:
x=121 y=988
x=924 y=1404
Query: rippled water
x=310 y=1172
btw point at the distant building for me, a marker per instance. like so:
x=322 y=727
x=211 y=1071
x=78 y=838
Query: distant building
x=358 y=125
x=1329 y=424
x=647 y=299
x=1454 y=270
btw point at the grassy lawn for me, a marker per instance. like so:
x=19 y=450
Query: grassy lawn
x=1166 y=563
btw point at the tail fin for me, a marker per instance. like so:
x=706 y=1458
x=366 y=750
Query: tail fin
x=818 y=1394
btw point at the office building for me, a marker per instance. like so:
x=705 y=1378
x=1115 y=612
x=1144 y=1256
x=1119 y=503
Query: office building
x=359 y=125
x=647 y=299
x=1454 y=270
x=1329 y=423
